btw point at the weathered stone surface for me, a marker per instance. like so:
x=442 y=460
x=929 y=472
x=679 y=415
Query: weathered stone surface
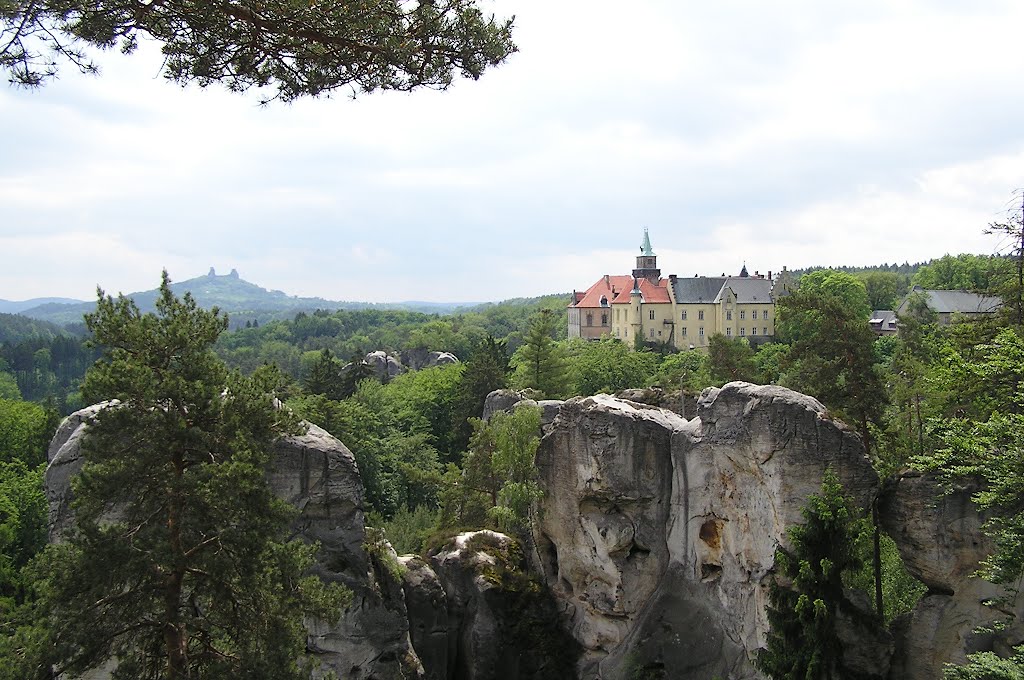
x=506 y=400
x=476 y=649
x=428 y=615
x=318 y=475
x=502 y=625
x=648 y=519
x=384 y=366
x=940 y=538
x=418 y=359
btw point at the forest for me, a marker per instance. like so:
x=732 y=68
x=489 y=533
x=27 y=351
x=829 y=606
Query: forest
x=948 y=398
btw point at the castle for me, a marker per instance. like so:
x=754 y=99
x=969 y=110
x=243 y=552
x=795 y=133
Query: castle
x=682 y=312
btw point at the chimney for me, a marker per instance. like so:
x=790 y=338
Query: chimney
x=672 y=278
x=769 y=274
x=606 y=279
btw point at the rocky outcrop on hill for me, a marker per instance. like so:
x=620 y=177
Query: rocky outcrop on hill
x=317 y=474
x=659 y=533
x=940 y=538
x=418 y=359
x=651 y=553
x=385 y=367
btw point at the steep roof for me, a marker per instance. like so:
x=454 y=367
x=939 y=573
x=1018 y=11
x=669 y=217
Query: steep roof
x=651 y=293
x=699 y=289
x=952 y=301
x=608 y=287
x=747 y=290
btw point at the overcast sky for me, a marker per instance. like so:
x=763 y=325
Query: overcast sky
x=796 y=133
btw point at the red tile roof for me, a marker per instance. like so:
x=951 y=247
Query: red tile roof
x=652 y=292
x=607 y=286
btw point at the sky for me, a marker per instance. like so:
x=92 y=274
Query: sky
x=794 y=133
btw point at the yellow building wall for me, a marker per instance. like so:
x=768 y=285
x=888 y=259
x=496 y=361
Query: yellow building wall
x=693 y=323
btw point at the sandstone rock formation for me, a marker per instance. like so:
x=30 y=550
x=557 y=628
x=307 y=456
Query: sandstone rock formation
x=418 y=359
x=655 y=536
x=317 y=474
x=658 y=534
x=384 y=366
x=940 y=538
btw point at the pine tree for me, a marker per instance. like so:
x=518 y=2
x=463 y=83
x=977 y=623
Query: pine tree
x=175 y=566
x=486 y=370
x=325 y=377
x=802 y=642
x=540 y=364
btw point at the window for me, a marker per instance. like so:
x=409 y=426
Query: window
x=652 y=332
x=743 y=315
x=700 y=315
x=652 y=315
x=590 y=319
x=702 y=331
x=743 y=331
x=684 y=331
x=684 y=315
x=728 y=316
x=753 y=330
x=659 y=334
x=728 y=332
x=765 y=317
x=765 y=329
x=604 y=319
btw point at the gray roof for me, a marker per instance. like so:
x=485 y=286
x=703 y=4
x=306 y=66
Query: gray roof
x=709 y=289
x=952 y=301
x=699 y=289
x=886 y=318
x=748 y=290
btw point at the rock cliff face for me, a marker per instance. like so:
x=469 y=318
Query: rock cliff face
x=655 y=537
x=659 y=533
x=940 y=539
x=317 y=474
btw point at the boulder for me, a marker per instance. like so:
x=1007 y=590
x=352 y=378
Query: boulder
x=384 y=366
x=418 y=359
x=506 y=400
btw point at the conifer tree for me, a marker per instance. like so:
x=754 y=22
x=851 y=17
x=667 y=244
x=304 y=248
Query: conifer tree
x=175 y=566
x=540 y=364
x=803 y=602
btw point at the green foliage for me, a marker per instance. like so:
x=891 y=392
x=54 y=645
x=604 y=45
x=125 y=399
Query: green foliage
x=884 y=289
x=988 y=666
x=770 y=360
x=961 y=272
x=302 y=49
x=324 y=376
x=900 y=590
x=409 y=530
x=486 y=370
x=497 y=485
x=23 y=517
x=25 y=431
x=175 y=564
x=805 y=599
x=831 y=356
x=731 y=359
x=689 y=369
x=539 y=362
x=9 y=387
x=608 y=365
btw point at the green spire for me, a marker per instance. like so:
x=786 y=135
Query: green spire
x=645 y=249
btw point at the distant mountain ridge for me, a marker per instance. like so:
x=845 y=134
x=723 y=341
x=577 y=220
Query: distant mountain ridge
x=16 y=306
x=241 y=300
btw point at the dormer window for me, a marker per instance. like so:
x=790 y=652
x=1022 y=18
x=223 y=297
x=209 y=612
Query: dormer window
x=604 y=301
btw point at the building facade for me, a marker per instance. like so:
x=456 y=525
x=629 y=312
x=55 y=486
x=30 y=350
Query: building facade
x=682 y=312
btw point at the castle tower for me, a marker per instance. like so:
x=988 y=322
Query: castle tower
x=647 y=262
